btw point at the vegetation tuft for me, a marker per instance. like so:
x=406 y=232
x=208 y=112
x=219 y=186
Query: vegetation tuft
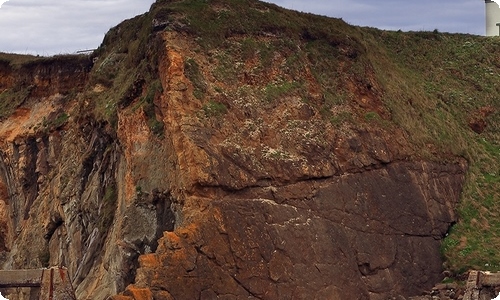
x=214 y=109
x=107 y=209
x=193 y=73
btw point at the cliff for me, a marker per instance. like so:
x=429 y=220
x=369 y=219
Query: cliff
x=236 y=149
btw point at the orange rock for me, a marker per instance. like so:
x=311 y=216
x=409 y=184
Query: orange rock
x=121 y=297
x=138 y=293
x=148 y=260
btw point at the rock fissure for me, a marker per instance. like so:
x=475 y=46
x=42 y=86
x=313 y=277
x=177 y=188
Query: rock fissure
x=246 y=288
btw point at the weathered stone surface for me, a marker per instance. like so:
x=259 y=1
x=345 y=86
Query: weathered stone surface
x=268 y=201
x=478 y=286
x=341 y=240
x=69 y=204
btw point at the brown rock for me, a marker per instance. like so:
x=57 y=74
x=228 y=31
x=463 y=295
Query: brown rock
x=316 y=247
x=478 y=120
x=139 y=293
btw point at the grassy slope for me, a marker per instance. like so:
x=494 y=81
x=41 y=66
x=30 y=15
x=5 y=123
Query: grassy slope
x=430 y=84
x=435 y=83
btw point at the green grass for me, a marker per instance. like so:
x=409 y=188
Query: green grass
x=432 y=83
x=193 y=73
x=16 y=59
x=273 y=92
x=214 y=109
x=12 y=99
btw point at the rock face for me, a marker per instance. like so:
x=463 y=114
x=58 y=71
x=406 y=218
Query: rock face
x=231 y=197
x=368 y=236
x=65 y=191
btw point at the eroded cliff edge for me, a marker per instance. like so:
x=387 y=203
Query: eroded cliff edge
x=186 y=165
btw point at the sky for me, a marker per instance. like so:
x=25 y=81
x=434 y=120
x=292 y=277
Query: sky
x=49 y=27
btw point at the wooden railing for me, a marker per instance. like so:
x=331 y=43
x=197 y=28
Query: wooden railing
x=54 y=283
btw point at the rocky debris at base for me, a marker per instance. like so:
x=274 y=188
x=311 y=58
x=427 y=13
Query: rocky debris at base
x=479 y=286
x=443 y=291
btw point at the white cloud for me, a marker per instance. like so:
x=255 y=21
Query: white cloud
x=466 y=16
x=49 y=27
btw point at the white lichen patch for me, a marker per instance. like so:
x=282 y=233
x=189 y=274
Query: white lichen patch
x=304 y=132
x=273 y=203
x=278 y=154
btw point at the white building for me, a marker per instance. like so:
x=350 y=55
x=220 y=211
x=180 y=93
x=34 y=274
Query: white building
x=492 y=18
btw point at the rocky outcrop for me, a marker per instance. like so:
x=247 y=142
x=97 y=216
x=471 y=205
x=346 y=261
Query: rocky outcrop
x=174 y=184
x=368 y=236
x=64 y=199
x=277 y=217
x=66 y=203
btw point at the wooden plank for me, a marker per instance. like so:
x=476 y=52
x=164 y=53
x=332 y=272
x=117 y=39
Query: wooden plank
x=21 y=278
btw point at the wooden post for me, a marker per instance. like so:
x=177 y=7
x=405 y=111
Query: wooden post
x=56 y=284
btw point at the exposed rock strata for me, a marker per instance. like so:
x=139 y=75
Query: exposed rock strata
x=267 y=201
x=47 y=76
x=368 y=235
x=63 y=198
x=352 y=221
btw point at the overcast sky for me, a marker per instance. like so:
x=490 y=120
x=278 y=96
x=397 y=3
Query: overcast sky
x=47 y=27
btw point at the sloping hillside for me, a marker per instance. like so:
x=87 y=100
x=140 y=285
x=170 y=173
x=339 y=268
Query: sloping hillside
x=232 y=148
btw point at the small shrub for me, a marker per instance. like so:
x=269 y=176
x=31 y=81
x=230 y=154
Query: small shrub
x=193 y=73
x=10 y=100
x=372 y=116
x=107 y=209
x=156 y=126
x=212 y=109
x=341 y=118
x=60 y=120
